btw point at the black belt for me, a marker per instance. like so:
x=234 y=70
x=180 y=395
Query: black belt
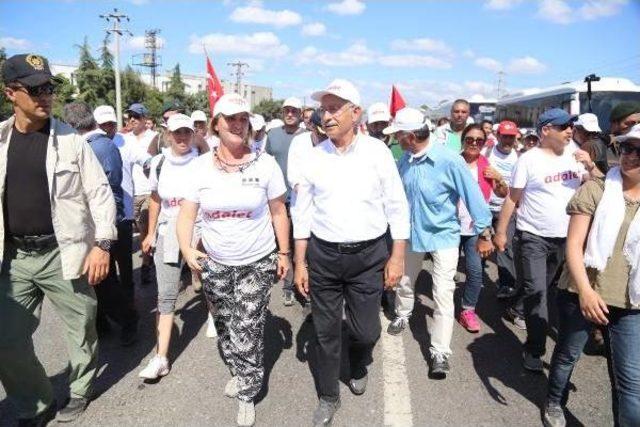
x=350 y=247
x=34 y=243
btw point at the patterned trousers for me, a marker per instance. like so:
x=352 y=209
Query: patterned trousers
x=238 y=297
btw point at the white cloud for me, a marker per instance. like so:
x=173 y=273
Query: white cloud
x=526 y=65
x=489 y=64
x=414 y=61
x=469 y=54
x=347 y=7
x=264 y=44
x=139 y=2
x=557 y=11
x=501 y=4
x=356 y=54
x=422 y=44
x=137 y=42
x=314 y=29
x=597 y=9
x=14 y=43
x=256 y=14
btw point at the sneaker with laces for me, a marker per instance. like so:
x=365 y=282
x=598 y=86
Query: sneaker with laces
x=506 y=292
x=323 y=415
x=157 y=367
x=516 y=318
x=397 y=326
x=288 y=297
x=231 y=389
x=75 y=407
x=469 y=320
x=532 y=363
x=553 y=415
x=246 y=413
x=438 y=366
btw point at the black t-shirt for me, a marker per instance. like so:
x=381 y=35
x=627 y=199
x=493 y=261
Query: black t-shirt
x=27 y=207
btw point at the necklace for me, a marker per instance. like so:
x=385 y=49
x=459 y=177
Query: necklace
x=226 y=166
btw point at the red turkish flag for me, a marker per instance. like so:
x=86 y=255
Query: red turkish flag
x=397 y=101
x=213 y=85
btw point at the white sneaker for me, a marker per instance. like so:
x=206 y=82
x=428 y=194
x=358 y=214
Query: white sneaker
x=158 y=366
x=246 y=413
x=211 y=328
x=231 y=389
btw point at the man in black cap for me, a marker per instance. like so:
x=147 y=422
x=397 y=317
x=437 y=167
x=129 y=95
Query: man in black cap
x=57 y=226
x=624 y=116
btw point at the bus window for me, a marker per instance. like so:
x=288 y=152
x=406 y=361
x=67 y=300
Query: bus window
x=603 y=102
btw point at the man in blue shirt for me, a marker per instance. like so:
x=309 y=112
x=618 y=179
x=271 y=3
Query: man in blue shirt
x=435 y=179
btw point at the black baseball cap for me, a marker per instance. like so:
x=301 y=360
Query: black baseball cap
x=28 y=69
x=173 y=105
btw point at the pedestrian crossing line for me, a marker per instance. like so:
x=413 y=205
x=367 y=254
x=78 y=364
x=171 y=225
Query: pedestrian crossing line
x=397 y=397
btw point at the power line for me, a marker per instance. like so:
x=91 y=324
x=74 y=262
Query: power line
x=238 y=73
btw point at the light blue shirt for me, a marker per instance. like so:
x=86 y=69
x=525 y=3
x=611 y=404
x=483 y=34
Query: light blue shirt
x=434 y=181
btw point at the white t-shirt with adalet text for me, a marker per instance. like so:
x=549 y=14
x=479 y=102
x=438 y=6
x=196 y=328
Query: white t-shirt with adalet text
x=548 y=182
x=236 y=222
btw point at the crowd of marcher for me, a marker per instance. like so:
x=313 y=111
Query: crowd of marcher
x=341 y=205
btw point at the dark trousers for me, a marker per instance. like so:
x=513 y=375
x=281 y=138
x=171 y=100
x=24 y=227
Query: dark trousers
x=504 y=260
x=122 y=252
x=355 y=281
x=541 y=257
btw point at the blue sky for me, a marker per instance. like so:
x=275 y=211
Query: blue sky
x=433 y=50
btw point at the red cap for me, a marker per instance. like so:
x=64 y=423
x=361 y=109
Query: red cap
x=507 y=128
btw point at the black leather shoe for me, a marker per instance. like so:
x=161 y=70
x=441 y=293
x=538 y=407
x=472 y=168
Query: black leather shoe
x=40 y=420
x=358 y=386
x=73 y=410
x=324 y=413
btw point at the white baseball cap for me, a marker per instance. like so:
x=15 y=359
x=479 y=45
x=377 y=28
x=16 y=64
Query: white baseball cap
x=274 y=123
x=342 y=89
x=177 y=121
x=589 y=122
x=230 y=104
x=292 y=102
x=634 y=133
x=407 y=119
x=257 y=121
x=198 y=116
x=104 y=114
x=378 y=112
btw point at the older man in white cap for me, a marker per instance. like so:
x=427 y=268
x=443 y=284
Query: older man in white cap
x=258 y=131
x=199 y=122
x=349 y=194
x=278 y=144
x=378 y=117
x=435 y=180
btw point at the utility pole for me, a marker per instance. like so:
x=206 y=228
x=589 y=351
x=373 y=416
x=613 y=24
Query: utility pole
x=150 y=59
x=588 y=80
x=238 y=73
x=116 y=17
x=500 y=84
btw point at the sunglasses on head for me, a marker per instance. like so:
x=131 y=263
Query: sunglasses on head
x=477 y=141
x=628 y=148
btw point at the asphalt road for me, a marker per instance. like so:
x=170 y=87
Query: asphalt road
x=487 y=385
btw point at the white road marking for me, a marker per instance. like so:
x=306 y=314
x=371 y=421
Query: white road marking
x=397 y=397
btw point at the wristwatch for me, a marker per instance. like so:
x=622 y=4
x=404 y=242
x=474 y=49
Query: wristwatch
x=104 y=244
x=487 y=233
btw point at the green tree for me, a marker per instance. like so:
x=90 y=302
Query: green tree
x=107 y=92
x=65 y=93
x=89 y=77
x=176 y=89
x=197 y=101
x=269 y=108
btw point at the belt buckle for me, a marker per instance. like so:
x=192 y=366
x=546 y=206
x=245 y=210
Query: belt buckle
x=346 y=248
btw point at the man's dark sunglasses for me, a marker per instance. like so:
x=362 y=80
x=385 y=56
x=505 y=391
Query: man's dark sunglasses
x=564 y=126
x=133 y=115
x=37 y=91
x=628 y=148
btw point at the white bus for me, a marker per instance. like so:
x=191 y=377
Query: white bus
x=525 y=107
x=479 y=109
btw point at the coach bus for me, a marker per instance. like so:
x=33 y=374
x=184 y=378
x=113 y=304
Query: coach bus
x=525 y=107
x=479 y=109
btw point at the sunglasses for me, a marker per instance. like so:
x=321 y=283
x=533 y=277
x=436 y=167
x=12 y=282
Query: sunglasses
x=37 y=91
x=563 y=127
x=134 y=116
x=474 y=141
x=628 y=148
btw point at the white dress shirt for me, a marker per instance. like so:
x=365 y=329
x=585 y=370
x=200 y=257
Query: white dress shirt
x=350 y=196
x=132 y=155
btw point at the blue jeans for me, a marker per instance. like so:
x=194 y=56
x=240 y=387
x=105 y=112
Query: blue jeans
x=473 y=266
x=622 y=338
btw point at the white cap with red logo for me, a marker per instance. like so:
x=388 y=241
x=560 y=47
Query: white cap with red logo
x=230 y=104
x=342 y=89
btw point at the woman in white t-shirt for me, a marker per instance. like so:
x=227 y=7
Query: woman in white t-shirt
x=168 y=176
x=240 y=196
x=489 y=180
